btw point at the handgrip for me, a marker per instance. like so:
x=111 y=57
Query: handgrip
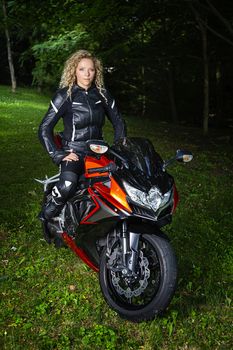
x=111 y=167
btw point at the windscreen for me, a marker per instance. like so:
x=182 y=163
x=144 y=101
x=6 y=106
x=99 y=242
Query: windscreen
x=141 y=153
x=146 y=165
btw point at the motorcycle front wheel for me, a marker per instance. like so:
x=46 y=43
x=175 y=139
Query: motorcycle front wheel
x=150 y=293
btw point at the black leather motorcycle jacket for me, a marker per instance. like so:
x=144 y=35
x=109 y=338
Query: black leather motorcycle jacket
x=83 y=116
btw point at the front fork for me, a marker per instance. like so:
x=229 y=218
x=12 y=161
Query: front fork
x=129 y=249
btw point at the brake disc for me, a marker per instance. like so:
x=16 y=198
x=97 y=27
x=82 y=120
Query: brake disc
x=143 y=281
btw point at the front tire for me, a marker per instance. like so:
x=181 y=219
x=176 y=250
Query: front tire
x=161 y=283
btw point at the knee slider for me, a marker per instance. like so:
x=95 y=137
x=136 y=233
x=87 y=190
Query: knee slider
x=63 y=190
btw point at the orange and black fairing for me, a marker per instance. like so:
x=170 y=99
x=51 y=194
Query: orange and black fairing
x=80 y=252
x=100 y=210
x=114 y=195
x=91 y=162
x=107 y=197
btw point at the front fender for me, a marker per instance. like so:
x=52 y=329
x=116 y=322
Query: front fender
x=146 y=228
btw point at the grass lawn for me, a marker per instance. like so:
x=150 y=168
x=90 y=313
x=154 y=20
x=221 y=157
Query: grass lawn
x=51 y=300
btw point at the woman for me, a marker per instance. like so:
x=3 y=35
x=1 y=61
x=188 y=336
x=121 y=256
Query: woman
x=82 y=102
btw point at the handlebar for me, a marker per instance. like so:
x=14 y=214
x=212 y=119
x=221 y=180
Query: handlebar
x=111 y=167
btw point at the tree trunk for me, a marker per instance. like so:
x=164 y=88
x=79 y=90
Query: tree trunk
x=143 y=91
x=219 y=93
x=206 y=82
x=9 y=52
x=202 y=24
x=171 y=94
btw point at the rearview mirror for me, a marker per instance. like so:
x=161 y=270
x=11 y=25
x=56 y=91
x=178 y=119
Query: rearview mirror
x=183 y=156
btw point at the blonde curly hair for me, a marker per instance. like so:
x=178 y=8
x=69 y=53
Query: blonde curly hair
x=68 y=78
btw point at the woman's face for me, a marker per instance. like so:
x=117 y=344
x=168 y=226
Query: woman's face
x=85 y=73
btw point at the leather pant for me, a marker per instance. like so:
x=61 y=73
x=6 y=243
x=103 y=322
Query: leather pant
x=65 y=187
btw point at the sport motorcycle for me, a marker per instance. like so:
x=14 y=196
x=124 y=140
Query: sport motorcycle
x=113 y=223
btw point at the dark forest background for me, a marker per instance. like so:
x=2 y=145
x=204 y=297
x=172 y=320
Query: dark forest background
x=164 y=60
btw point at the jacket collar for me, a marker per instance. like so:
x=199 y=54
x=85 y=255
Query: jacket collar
x=79 y=88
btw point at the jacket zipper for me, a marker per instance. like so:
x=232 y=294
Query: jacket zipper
x=90 y=110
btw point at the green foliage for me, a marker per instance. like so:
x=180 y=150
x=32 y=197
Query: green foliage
x=152 y=52
x=51 y=300
x=51 y=54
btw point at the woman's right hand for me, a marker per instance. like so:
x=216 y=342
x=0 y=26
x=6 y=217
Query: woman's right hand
x=71 y=157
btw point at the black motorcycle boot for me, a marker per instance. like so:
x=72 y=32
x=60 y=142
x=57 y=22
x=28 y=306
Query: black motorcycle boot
x=51 y=210
x=63 y=190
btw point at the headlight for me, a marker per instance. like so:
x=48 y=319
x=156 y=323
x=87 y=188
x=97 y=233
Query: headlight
x=153 y=199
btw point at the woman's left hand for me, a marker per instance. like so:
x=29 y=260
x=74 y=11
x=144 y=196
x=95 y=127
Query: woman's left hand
x=71 y=157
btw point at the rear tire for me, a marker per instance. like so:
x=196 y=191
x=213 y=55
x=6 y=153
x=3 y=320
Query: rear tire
x=161 y=283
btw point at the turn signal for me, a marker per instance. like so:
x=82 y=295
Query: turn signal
x=187 y=158
x=100 y=149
